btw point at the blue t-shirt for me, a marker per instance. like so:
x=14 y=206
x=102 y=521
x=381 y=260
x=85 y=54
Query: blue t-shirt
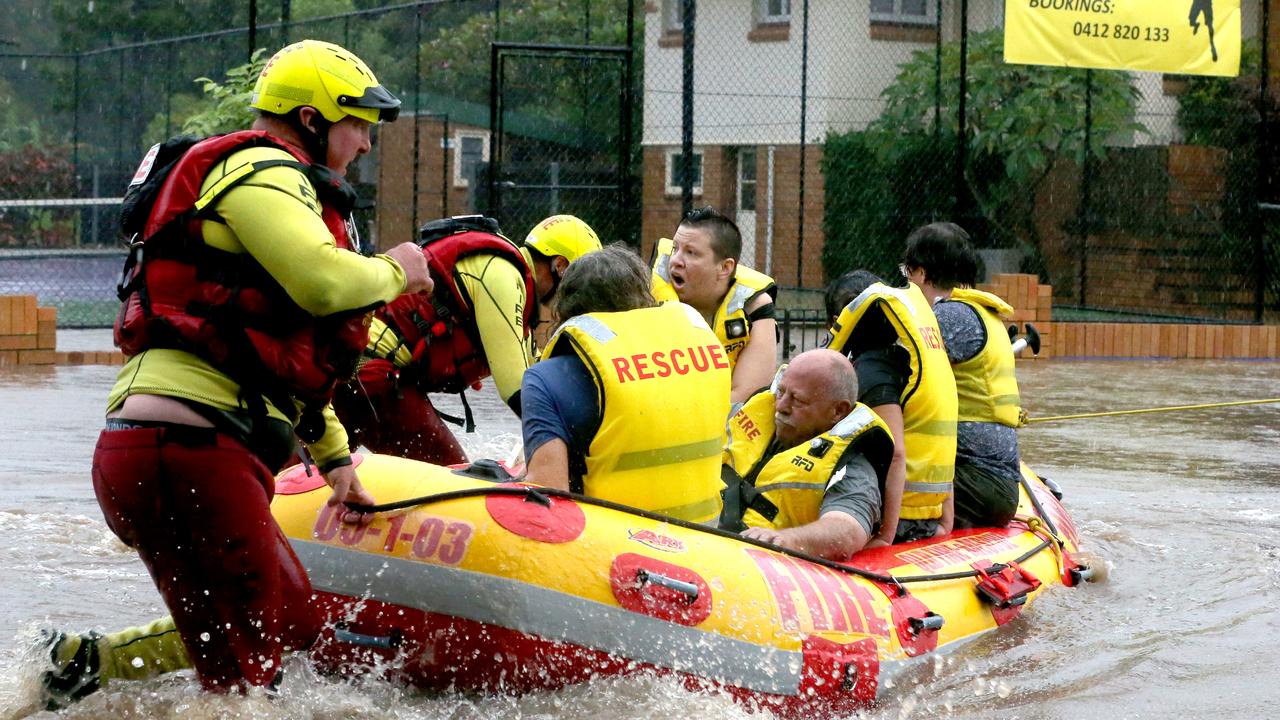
x=558 y=398
x=990 y=446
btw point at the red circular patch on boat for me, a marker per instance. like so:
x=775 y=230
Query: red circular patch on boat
x=559 y=522
x=295 y=480
x=641 y=584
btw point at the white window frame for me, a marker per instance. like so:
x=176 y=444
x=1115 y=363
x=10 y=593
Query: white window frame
x=669 y=167
x=460 y=180
x=763 y=17
x=897 y=17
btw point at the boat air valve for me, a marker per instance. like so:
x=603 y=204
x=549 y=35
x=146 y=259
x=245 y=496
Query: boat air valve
x=931 y=622
x=688 y=589
x=1081 y=574
x=1054 y=487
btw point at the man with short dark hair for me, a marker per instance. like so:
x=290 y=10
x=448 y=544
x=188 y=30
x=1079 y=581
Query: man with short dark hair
x=892 y=338
x=805 y=461
x=940 y=260
x=699 y=267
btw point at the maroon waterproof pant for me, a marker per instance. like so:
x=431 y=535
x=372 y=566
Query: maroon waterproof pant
x=397 y=422
x=197 y=507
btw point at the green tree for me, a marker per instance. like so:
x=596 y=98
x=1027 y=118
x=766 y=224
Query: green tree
x=225 y=106
x=1022 y=120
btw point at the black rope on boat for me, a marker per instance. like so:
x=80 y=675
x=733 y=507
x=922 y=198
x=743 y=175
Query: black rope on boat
x=529 y=492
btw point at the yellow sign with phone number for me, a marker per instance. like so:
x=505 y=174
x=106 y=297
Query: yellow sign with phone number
x=1191 y=37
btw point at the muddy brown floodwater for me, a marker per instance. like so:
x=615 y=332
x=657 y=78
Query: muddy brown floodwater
x=1185 y=507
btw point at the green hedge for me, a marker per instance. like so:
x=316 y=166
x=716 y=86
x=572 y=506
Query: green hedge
x=873 y=204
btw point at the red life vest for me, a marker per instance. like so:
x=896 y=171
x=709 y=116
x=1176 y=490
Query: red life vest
x=440 y=330
x=179 y=292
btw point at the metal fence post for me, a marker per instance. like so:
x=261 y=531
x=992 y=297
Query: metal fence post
x=1086 y=189
x=1265 y=147
x=253 y=28
x=937 y=75
x=804 y=107
x=417 y=109
x=628 y=112
x=962 y=140
x=686 y=122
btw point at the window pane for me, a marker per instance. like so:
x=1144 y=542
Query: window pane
x=677 y=166
x=747 y=165
x=746 y=179
x=883 y=6
x=471 y=154
x=917 y=8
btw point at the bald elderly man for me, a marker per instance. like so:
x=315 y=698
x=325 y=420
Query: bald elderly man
x=806 y=461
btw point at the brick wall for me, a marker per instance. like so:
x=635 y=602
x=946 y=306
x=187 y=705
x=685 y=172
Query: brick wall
x=1174 y=266
x=395 y=178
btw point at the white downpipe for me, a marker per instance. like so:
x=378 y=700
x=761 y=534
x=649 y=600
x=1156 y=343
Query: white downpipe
x=768 y=230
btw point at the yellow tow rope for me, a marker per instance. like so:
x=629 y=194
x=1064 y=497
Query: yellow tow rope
x=1141 y=411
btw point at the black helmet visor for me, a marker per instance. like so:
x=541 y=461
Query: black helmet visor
x=375 y=98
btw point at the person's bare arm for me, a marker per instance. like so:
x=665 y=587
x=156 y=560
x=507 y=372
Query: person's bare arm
x=896 y=479
x=835 y=536
x=549 y=465
x=948 y=522
x=758 y=359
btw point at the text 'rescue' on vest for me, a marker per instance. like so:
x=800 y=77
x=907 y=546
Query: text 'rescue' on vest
x=929 y=405
x=730 y=323
x=440 y=329
x=786 y=489
x=986 y=383
x=662 y=383
x=178 y=292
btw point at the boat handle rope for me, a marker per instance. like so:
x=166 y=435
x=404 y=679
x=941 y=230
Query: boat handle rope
x=538 y=494
x=1142 y=411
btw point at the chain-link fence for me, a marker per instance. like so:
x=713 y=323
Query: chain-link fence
x=830 y=130
x=551 y=131
x=827 y=129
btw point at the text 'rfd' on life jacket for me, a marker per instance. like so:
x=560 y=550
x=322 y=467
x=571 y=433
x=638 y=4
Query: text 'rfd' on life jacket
x=662 y=363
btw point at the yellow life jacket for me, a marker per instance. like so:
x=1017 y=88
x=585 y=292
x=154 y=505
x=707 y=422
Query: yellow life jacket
x=929 y=404
x=730 y=322
x=786 y=490
x=662 y=384
x=985 y=383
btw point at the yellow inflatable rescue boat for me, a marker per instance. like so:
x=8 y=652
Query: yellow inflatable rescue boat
x=468 y=580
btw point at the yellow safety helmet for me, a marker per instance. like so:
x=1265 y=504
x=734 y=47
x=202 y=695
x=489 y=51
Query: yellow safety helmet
x=563 y=235
x=326 y=77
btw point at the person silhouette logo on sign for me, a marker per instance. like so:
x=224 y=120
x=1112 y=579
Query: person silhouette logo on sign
x=1203 y=8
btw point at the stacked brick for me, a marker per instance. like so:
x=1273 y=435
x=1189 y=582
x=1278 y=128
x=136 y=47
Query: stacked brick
x=28 y=336
x=1032 y=303
x=1165 y=340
